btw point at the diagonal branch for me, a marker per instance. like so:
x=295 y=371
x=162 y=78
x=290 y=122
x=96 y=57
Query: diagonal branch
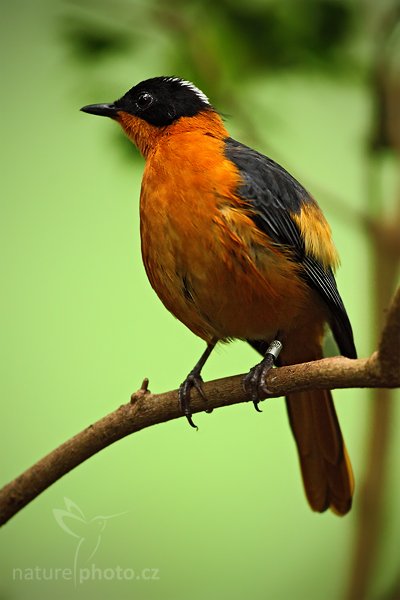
x=146 y=409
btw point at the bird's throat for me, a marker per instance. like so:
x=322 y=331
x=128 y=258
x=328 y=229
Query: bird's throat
x=142 y=134
x=146 y=136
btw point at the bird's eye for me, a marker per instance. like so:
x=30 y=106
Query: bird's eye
x=144 y=100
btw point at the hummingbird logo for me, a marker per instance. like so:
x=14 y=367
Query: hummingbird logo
x=88 y=532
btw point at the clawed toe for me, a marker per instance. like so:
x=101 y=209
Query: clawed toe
x=253 y=382
x=193 y=380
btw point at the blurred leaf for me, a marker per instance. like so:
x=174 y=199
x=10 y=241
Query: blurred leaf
x=91 y=41
x=294 y=33
x=253 y=35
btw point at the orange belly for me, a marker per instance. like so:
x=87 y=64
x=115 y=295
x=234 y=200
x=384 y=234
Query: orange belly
x=203 y=254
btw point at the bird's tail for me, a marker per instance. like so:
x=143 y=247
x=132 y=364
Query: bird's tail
x=325 y=465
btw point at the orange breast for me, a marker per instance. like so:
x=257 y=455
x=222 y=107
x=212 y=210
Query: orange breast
x=203 y=255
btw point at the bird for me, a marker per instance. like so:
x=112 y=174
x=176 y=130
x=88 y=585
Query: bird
x=236 y=248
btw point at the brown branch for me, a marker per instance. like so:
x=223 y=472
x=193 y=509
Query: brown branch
x=146 y=409
x=389 y=346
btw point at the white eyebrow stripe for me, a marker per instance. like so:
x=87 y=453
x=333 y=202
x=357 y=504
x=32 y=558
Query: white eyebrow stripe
x=192 y=87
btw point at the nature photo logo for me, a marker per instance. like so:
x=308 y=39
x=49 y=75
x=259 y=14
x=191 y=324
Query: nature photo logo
x=89 y=532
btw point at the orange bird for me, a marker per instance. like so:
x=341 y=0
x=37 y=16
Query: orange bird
x=235 y=247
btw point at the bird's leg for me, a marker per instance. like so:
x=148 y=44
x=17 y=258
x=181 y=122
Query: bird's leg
x=254 y=379
x=194 y=380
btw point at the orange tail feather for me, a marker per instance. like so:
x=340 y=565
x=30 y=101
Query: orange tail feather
x=325 y=465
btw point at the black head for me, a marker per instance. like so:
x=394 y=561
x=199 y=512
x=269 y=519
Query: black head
x=159 y=101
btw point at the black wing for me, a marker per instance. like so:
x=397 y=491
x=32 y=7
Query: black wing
x=273 y=196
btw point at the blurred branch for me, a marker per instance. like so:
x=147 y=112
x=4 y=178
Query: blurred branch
x=382 y=226
x=386 y=257
x=382 y=369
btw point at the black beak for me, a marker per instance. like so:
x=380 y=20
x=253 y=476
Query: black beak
x=104 y=110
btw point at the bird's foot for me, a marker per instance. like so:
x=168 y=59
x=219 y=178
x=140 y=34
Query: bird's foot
x=253 y=382
x=193 y=380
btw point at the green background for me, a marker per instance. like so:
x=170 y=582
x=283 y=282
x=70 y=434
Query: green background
x=219 y=513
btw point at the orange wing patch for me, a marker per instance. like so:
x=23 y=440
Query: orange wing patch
x=316 y=234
